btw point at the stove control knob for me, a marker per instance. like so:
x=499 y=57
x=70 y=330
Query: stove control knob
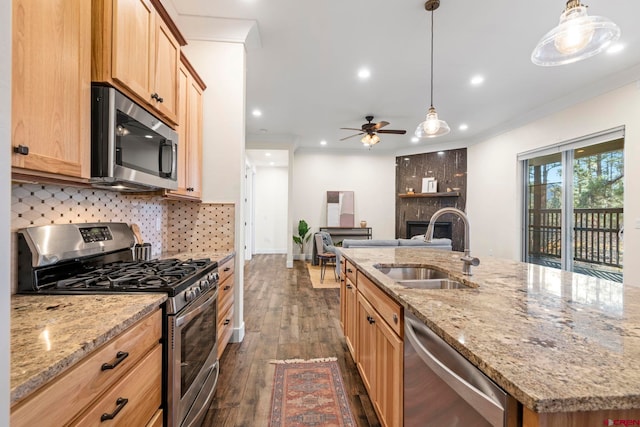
x=204 y=284
x=189 y=295
x=213 y=277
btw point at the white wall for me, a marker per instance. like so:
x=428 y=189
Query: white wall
x=5 y=208
x=494 y=192
x=369 y=175
x=222 y=67
x=270 y=209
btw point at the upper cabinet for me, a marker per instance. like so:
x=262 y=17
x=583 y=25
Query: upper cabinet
x=135 y=50
x=191 y=89
x=51 y=87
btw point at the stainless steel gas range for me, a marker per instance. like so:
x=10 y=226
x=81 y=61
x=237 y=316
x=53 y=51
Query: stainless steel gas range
x=98 y=258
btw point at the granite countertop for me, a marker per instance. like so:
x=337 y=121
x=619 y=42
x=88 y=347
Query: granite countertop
x=556 y=341
x=50 y=333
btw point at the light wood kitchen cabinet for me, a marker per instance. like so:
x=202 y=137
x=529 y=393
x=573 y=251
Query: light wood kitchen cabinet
x=134 y=50
x=373 y=328
x=380 y=351
x=127 y=367
x=225 y=303
x=191 y=88
x=350 y=308
x=51 y=88
x=348 y=305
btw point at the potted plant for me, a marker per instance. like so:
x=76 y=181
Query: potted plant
x=303 y=235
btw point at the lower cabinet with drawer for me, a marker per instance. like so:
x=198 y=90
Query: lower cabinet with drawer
x=373 y=329
x=225 y=303
x=119 y=384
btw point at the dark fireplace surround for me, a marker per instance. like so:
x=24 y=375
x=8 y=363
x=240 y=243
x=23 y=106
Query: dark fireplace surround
x=441 y=230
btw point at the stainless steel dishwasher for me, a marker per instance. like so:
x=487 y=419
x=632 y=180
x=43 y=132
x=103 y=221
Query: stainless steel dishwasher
x=442 y=388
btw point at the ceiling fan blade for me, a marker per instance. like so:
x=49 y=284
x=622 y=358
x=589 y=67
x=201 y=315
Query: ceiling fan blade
x=394 y=131
x=359 y=130
x=357 y=134
x=380 y=124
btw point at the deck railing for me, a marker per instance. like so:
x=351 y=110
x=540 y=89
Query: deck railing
x=596 y=235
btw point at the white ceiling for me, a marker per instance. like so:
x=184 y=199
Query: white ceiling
x=303 y=59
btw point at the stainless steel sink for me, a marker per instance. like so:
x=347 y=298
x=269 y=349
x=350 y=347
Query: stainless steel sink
x=411 y=273
x=432 y=284
x=417 y=277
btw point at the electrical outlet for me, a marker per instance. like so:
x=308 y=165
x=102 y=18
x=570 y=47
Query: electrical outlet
x=638 y=223
x=158 y=223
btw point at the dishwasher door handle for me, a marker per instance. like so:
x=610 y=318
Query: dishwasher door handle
x=491 y=410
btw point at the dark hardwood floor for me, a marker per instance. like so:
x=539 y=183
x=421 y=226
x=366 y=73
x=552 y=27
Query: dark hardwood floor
x=285 y=318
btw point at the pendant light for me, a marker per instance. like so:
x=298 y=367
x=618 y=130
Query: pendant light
x=578 y=36
x=432 y=125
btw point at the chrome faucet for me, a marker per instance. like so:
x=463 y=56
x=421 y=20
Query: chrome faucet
x=467 y=259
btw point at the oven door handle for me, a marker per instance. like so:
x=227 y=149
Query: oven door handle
x=190 y=314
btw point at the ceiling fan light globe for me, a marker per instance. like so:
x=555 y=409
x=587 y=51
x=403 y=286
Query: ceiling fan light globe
x=577 y=37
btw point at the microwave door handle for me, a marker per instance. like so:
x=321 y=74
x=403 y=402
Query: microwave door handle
x=172 y=159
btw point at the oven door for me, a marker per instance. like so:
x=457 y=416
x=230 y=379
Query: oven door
x=192 y=363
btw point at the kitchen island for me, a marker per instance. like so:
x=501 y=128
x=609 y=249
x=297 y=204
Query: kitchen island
x=557 y=342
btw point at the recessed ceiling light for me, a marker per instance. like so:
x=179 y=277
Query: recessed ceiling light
x=463 y=126
x=323 y=142
x=149 y=136
x=256 y=113
x=271 y=163
x=267 y=154
x=477 y=80
x=440 y=153
x=364 y=73
x=618 y=47
x=415 y=139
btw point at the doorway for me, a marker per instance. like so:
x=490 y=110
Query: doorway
x=573 y=206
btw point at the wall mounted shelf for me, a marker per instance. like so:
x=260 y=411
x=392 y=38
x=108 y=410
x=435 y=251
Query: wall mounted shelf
x=427 y=195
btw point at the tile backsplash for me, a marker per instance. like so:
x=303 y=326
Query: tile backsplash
x=168 y=225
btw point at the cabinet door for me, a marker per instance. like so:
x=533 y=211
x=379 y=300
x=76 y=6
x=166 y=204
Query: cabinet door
x=165 y=67
x=350 y=325
x=132 y=45
x=388 y=393
x=51 y=86
x=366 y=347
x=194 y=154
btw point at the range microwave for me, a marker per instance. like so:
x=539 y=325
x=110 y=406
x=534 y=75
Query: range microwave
x=131 y=150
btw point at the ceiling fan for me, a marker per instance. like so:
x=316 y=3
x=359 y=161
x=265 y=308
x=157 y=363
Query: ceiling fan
x=370 y=129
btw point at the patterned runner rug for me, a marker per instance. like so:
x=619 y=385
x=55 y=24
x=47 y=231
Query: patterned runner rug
x=309 y=393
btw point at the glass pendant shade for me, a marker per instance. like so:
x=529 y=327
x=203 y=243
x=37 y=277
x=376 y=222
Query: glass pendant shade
x=577 y=37
x=432 y=126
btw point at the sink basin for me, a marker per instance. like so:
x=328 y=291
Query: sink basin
x=411 y=273
x=432 y=284
x=417 y=277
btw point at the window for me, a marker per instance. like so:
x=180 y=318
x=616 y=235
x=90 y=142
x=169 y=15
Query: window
x=573 y=205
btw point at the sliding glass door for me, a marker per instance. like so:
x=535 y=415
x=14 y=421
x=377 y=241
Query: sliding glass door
x=573 y=207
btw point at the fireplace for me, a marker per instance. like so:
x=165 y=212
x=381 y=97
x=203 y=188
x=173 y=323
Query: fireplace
x=441 y=229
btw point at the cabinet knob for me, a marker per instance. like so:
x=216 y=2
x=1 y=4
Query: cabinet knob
x=227 y=321
x=349 y=270
x=395 y=318
x=21 y=149
x=349 y=286
x=155 y=96
x=226 y=288
x=371 y=320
